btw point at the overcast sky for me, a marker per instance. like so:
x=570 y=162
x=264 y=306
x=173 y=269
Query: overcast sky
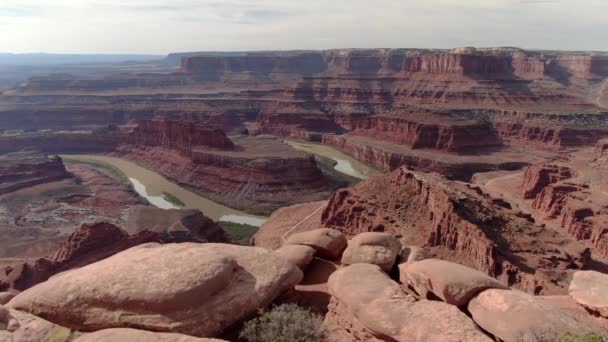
x=162 y=26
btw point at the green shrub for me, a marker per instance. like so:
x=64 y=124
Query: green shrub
x=588 y=337
x=239 y=233
x=284 y=323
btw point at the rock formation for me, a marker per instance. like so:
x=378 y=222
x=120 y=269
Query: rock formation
x=364 y=295
x=25 y=169
x=179 y=135
x=453 y=283
x=214 y=286
x=94 y=242
x=374 y=248
x=328 y=243
x=258 y=174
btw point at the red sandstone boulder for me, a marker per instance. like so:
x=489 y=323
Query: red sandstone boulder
x=30 y=328
x=516 y=316
x=374 y=248
x=194 y=289
x=134 y=335
x=411 y=254
x=328 y=243
x=5 y=297
x=590 y=289
x=453 y=283
x=367 y=295
x=300 y=255
x=7 y=321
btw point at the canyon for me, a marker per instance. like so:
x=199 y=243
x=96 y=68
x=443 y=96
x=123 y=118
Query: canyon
x=494 y=159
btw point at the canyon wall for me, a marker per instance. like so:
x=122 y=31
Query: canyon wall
x=454 y=222
x=100 y=141
x=569 y=201
x=419 y=131
x=25 y=169
x=489 y=63
x=179 y=135
x=388 y=159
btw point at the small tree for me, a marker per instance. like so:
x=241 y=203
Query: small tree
x=284 y=323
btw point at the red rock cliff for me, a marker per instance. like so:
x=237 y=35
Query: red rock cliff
x=449 y=219
x=417 y=131
x=179 y=135
x=25 y=169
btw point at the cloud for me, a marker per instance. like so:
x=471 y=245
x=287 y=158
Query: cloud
x=162 y=26
x=18 y=11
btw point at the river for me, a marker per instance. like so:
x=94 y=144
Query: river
x=344 y=163
x=151 y=186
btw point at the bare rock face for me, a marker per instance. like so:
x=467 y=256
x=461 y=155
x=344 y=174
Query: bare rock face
x=537 y=177
x=374 y=248
x=179 y=135
x=30 y=328
x=517 y=316
x=590 y=289
x=300 y=255
x=7 y=321
x=134 y=335
x=195 y=289
x=175 y=225
x=381 y=309
x=410 y=254
x=328 y=243
x=453 y=221
x=25 y=169
x=453 y=283
x=5 y=297
x=88 y=244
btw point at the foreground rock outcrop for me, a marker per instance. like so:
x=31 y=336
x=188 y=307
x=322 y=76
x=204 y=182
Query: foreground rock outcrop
x=134 y=335
x=374 y=248
x=366 y=297
x=590 y=289
x=453 y=283
x=94 y=242
x=195 y=289
x=529 y=318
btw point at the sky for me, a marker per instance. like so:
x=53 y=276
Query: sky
x=163 y=26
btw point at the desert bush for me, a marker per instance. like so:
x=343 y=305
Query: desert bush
x=284 y=323
x=588 y=337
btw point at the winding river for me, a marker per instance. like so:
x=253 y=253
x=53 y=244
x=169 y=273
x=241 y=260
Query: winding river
x=151 y=186
x=344 y=163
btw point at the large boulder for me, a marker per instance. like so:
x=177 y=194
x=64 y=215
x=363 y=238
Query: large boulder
x=7 y=321
x=30 y=328
x=374 y=248
x=411 y=254
x=194 y=289
x=379 y=305
x=329 y=243
x=512 y=315
x=590 y=289
x=300 y=255
x=453 y=283
x=5 y=297
x=134 y=335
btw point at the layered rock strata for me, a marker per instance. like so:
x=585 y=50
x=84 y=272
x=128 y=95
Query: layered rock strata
x=25 y=169
x=455 y=222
